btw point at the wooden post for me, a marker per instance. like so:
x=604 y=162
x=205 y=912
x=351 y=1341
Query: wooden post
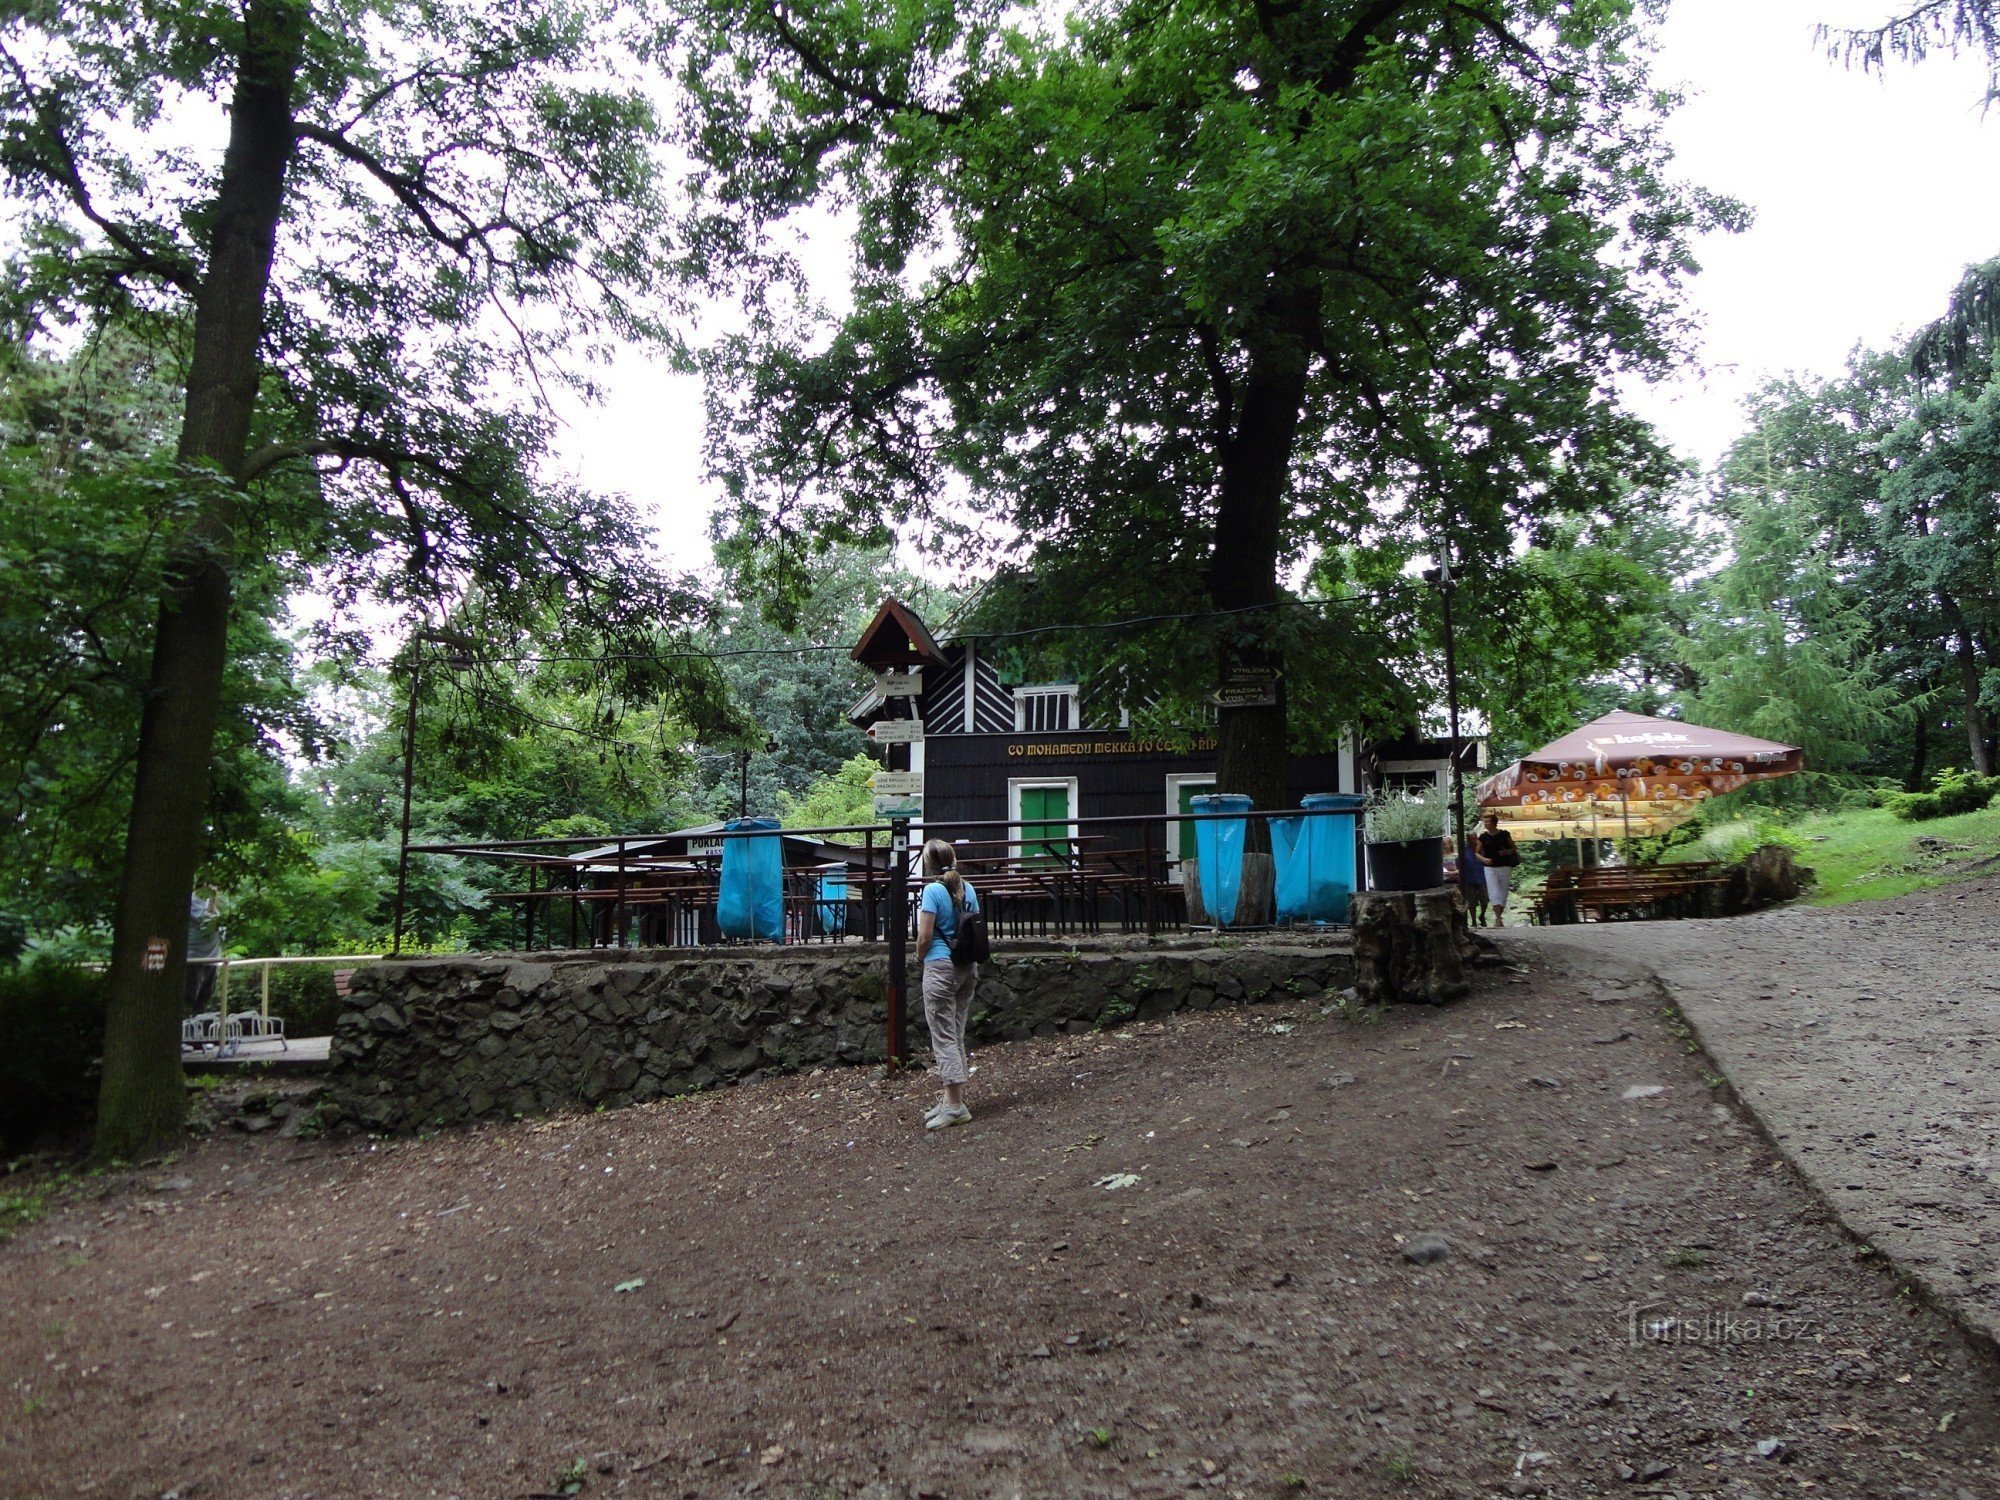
x=868 y=884
x=1146 y=881
x=409 y=783
x=618 y=904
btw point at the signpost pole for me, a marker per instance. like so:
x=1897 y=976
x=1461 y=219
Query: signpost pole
x=899 y=923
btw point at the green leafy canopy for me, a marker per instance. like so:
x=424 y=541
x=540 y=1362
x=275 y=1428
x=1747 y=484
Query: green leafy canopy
x=1168 y=296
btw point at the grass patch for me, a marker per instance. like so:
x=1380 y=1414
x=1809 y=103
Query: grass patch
x=17 y=1212
x=1871 y=853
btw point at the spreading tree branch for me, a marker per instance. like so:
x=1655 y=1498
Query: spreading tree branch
x=852 y=88
x=60 y=168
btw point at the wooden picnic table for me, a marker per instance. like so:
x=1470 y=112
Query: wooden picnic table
x=1617 y=892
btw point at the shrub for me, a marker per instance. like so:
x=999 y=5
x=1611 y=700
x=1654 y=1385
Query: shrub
x=1395 y=816
x=301 y=994
x=52 y=1016
x=1732 y=842
x=1952 y=792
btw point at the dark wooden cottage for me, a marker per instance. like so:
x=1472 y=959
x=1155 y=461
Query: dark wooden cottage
x=1039 y=754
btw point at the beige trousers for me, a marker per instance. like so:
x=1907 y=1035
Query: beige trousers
x=947 y=1004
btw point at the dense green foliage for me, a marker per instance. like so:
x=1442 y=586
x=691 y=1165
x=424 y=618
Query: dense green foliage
x=52 y=1016
x=89 y=503
x=1953 y=793
x=1155 y=301
x=1857 y=614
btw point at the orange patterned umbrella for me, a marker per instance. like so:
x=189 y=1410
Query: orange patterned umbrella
x=1647 y=773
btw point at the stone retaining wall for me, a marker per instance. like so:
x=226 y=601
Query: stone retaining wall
x=448 y=1041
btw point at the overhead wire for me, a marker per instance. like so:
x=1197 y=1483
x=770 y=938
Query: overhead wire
x=719 y=654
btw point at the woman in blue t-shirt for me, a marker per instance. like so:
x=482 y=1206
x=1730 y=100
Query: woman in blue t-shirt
x=948 y=986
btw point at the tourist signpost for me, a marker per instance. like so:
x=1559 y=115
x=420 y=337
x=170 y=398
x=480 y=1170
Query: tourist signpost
x=1247 y=687
x=898 y=794
x=896 y=731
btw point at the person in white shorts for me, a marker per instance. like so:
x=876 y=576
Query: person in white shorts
x=1497 y=853
x=948 y=986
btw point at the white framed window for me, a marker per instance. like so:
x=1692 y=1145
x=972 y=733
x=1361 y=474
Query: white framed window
x=1043 y=808
x=1182 y=786
x=1044 y=709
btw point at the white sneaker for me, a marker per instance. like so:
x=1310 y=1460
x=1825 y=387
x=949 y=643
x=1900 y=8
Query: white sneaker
x=946 y=1116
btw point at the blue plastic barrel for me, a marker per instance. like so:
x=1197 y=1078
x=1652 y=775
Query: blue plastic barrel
x=1218 y=845
x=751 y=902
x=833 y=903
x=1329 y=847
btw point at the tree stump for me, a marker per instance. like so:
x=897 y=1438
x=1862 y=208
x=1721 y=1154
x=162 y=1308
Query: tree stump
x=1767 y=876
x=1254 y=899
x=1410 y=946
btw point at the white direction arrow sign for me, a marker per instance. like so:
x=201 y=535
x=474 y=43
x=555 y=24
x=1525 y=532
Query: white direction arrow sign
x=896 y=731
x=897 y=783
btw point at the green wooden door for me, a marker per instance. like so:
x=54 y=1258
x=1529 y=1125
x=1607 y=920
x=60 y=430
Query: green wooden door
x=1188 y=791
x=1045 y=818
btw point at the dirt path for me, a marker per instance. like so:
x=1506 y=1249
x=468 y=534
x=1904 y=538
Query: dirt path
x=1638 y=1293
x=1867 y=1038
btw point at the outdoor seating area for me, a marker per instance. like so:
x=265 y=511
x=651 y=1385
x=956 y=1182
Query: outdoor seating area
x=1612 y=893
x=829 y=885
x=1058 y=886
x=1072 y=885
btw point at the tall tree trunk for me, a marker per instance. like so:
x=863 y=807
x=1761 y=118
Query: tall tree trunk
x=1251 y=756
x=1969 y=682
x=1919 y=753
x=142 y=1102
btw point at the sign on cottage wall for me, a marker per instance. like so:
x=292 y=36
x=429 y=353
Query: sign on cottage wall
x=1041 y=749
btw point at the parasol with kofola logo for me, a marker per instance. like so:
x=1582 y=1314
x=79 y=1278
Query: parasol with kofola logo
x=1637 y=774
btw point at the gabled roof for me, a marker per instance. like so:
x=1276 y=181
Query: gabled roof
x=897 y=638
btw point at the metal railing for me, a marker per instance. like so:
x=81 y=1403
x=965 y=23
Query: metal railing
x=1071 y=881
x=224 y=1030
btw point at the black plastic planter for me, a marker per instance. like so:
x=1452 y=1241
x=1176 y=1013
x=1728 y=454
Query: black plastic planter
x=1408 y=865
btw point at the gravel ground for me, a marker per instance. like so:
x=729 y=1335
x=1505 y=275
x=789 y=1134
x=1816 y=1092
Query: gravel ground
x=788 y=1289
x=1867 y=1040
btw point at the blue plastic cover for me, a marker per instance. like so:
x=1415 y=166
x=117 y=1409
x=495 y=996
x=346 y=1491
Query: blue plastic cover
x=751 y=903
x=1291 y=866
x=833 y=903
x=1327 y=842
x=1218 y=845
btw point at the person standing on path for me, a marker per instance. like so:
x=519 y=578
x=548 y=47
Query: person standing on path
x=204 y=942
x=1472 y=885
x=948 y=986
x=1496 y=852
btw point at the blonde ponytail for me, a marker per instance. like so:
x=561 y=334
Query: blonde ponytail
x=941 y=865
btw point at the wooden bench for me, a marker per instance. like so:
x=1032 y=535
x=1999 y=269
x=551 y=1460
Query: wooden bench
x=1618 y=893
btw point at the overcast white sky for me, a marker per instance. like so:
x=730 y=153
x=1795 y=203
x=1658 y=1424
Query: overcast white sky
x=1870 y=194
